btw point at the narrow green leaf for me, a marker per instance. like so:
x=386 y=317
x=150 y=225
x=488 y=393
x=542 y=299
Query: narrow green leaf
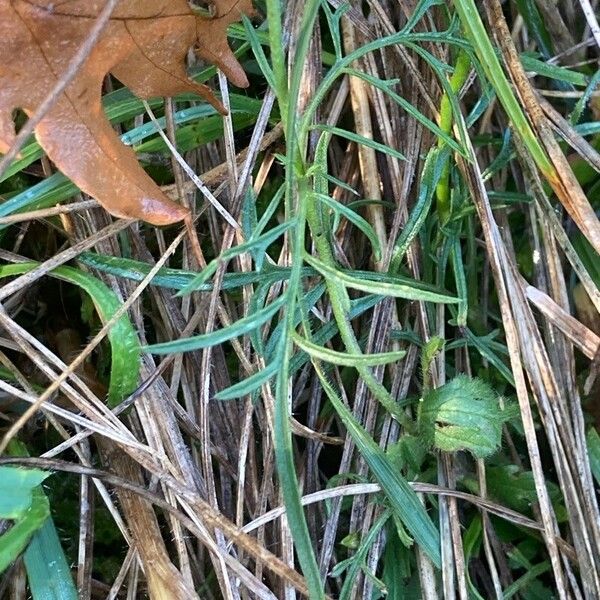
x=524 y=582
x=461 y=282
x=355 y=219
x=344 y=359
x=386 y=285
x=361 y=140
x=400 y=496
x=433 y=170
x=260 y=244
x=259 y=53
x=418 y=12
x=178 y=279
x=250 y=384
x=385 y=87
x=206 y=340
x=530 y=63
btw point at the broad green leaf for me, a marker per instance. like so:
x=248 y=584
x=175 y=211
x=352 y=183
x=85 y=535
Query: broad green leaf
x=15 y=540
x=16 y=488
x=511 y=486
x=463 y=414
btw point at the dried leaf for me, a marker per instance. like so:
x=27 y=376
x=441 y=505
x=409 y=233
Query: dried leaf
x=144 y=46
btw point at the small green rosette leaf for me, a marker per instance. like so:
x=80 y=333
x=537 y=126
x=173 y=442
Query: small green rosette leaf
x=463 y=414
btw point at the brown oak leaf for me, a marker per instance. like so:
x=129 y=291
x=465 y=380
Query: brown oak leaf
x=144 y=46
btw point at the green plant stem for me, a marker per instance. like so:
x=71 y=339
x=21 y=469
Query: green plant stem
x=340 y=303
x=295 y=207
x=278 y=55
